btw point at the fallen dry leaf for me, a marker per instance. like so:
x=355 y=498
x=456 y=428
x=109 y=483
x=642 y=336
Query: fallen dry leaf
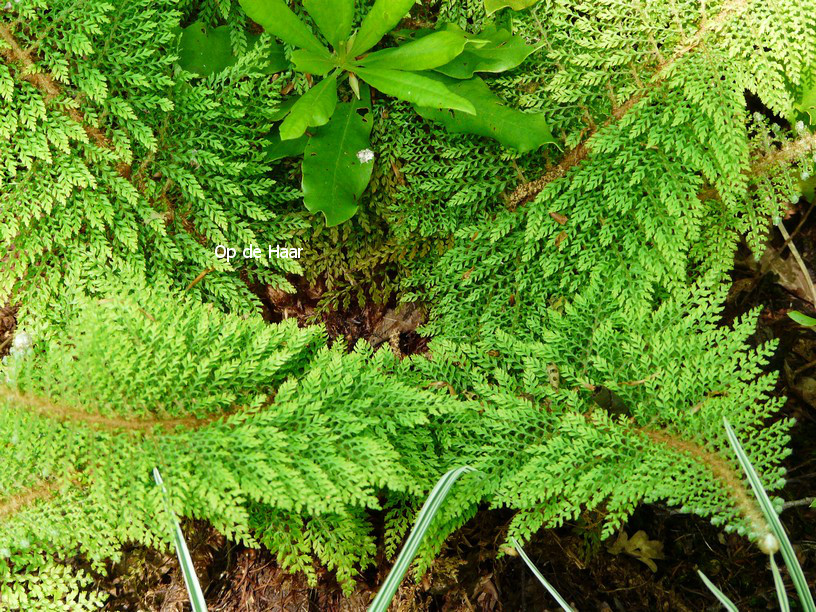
x=559 y=218
x=638 y=546
x=789 y=274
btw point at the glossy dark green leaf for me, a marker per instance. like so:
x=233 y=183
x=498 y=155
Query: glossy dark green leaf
x=276 y=148
x=277 y=58
x=334 y=173
x=204 y=50
x=491 y=6
x=312 y=63
x=278 y=19
x=333 y=17
x=428 y=52
x=512 y=128
x=312 y=109
x=496 y=51
x=415 y=88
x=381 y=19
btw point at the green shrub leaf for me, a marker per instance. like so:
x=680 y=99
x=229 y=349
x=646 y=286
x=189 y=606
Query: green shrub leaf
x=278 y=19
x=802 y=319
x=313 y=109
x=415 y=88
x=512 y=128
x=491 y=6
x=312 y=63
x=428 y=52
x=334 y=177
x=204 y=50
x=381 y=19
x=333 y=17
x=276 y=148
x=498 y=51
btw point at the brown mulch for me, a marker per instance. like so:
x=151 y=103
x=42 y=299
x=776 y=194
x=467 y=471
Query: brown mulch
x=8 y=323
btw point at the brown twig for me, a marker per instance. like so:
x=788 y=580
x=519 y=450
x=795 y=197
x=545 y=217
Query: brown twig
x=199 y=278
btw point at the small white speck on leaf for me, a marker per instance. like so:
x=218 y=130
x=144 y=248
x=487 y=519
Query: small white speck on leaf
x=365 y=156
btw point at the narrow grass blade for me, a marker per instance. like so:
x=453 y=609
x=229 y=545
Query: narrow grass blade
x=406 y=556
x=188 y=571
x=561 y=601
x=727 y=603
x=781 y=594
x=788 y=554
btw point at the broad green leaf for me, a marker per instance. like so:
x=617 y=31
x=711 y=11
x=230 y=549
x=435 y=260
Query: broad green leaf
x=802 y=319
x=333 y=17
x=425 y=53
x=497 y=51
x=278 y=19
x=314 y=108
x=512 y=128
x=277 y=58
x=312 y=63
x=491 y=6
x=415 y=88
x=204 y=50
x=284 y=109
x=381 y=19
x=276 y=148
x=334 y=177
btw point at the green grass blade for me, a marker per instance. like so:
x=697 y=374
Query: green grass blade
x=727 y=603
x=781 y=594
x=187 y=569
x=785 y=547
x=408 y=552
x=561 y=601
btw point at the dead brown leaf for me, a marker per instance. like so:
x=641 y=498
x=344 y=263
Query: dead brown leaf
x=638 y=546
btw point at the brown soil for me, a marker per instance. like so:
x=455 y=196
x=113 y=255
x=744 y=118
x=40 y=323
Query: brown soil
x=8 y=323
